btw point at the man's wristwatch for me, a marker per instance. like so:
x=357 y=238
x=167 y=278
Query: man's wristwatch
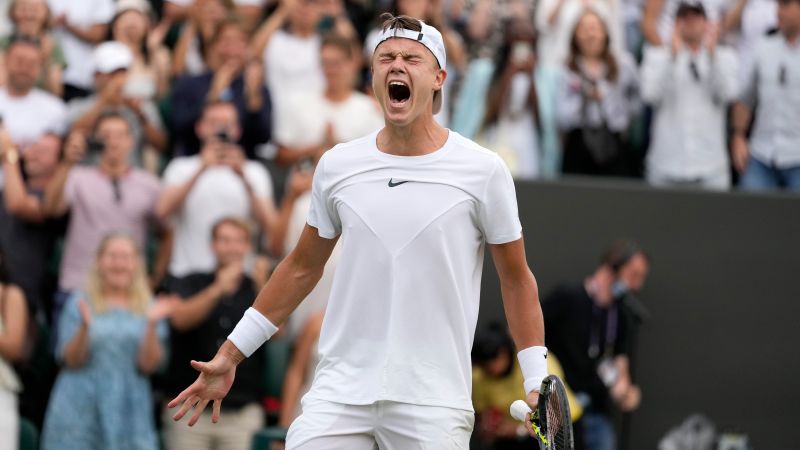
x=12 y=156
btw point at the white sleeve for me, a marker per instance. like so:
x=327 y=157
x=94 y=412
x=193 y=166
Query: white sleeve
x=323 y=215
x=724 y=75
x=176 y=173
x=259 y=179
x=103 y=13
x=656 y=74
x=499 y=219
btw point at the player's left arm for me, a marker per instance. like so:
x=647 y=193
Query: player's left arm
x=521 y=303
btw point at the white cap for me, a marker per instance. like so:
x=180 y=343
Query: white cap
x=136 y=5
x=428 y=36
x=111 y=56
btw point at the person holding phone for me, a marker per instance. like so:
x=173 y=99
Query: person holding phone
x=511 y=125
x=216 y=183
x=112 y=62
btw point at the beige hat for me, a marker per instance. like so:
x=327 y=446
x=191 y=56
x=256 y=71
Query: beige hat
x=111 y=56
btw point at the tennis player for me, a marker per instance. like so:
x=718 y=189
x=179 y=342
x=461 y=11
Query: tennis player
x=415 y=205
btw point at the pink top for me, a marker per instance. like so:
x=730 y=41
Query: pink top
x=99 y=206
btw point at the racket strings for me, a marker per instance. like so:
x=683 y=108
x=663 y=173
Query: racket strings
x=557 y=432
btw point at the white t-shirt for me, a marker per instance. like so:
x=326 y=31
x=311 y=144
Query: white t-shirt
x=404 y=304
x=78 y=53
x=292 y=65
x=28 y=118
x=218 y=193
x=351 y=119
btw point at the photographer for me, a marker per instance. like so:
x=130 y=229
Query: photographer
x=590 y=326
x=109 y=196
x=218 y=182
x=112 y=62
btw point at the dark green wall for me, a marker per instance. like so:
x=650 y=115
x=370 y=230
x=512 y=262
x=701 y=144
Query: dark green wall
x=724 y=293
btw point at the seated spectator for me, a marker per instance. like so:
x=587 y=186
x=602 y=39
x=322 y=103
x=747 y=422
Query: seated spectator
x=341 y=113
x=79 y=26
x=112 y=63
x=496 y=378
x=690 y=86
x=511 y=126
x=13 y=323
x=109 y=340
x=206 y=309
x=101 y=198
x=589 y=326
x=202 y=19
x=27 y=111
x=27 y=235
x=432 y=13
x=31 y=18
x=149 y=74
x=598 y=97
x=232 y=79
x=218 y=182
x=770 y=157
x=555 y=20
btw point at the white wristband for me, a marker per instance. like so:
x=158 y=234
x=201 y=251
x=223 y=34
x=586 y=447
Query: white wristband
x=251 y=332
x=533 y=362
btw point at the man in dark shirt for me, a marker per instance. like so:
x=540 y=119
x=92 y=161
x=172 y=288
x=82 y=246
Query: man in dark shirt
x=233 y=79
x=205 y=311
x=588 y=327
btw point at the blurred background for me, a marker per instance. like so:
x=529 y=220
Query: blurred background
x=157 y=160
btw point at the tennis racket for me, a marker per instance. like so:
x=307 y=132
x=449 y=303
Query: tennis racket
x=551 y=421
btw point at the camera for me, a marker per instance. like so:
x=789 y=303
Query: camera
x=223 y=136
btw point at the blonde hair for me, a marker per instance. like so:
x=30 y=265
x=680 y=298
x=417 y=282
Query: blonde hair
x=139 y=294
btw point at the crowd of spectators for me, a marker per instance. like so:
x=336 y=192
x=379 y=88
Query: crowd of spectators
x=168 y=145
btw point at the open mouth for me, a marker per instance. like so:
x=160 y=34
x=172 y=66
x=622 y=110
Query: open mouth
x=399 y=92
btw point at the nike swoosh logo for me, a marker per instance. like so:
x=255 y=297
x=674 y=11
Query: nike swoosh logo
x=392 y=184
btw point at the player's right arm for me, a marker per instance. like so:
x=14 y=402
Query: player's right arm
x=293 y=280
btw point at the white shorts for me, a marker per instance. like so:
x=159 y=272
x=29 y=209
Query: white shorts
x=384 y=424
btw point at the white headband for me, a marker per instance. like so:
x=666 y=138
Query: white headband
x=428 y=36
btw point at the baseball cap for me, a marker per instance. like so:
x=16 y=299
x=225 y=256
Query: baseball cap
x=111 y=56
x=428 y=36
x=690 y=7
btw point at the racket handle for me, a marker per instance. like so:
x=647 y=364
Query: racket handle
x=520 y=410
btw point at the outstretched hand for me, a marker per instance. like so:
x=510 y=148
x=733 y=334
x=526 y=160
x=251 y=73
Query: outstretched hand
x=213 y=384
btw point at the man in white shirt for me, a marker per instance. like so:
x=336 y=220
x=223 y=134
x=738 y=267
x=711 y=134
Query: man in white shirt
x=28 y=112
x=415 y=205
x=769 y=158
x=202 y=189
x=689 y=85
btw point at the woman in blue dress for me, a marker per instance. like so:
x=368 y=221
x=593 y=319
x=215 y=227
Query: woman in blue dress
x=110 y=339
